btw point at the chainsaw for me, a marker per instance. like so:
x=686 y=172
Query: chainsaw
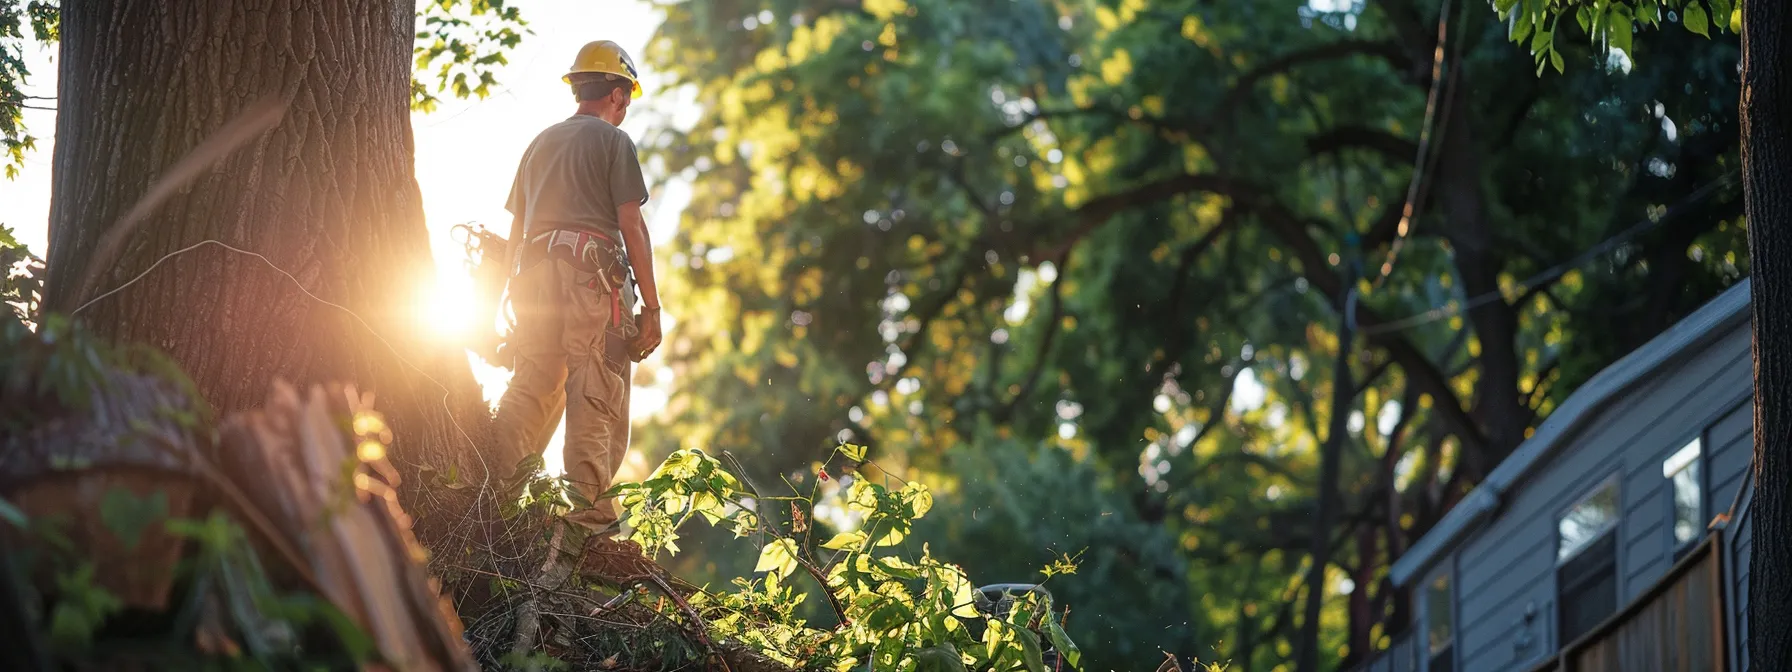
x=488 y=263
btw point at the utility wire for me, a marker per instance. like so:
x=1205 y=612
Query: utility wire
x=1453 y=309
x=314 y=297
x=1426 y=161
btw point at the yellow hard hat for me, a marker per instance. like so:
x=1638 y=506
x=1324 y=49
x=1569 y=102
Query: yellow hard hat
x=606 y=57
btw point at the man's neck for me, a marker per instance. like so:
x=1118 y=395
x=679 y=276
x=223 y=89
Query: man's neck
x=597 y=108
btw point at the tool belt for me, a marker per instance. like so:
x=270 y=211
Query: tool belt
x=588 y=252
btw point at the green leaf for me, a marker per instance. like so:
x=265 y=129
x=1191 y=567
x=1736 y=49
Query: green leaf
x=847 y=541
x=1061 y=641
x=127 y=516
x=1618 y=31
x=964 y=595
x=919 y=498
x=778 y=557
x=1519 y=27
x=943 y=658
x=80 y=608
x=14 y=515
x=852 y=452
x=1503 y=6
x=1585 y=16
x=1696 y=20
x=890 y=614
x=1555 y=58
x=1542 y=42
x=1720 y=9
x=897 y=568
x=709 y=506
x=1030 y=652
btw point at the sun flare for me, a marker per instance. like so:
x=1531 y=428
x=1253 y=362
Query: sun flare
x=444 y=309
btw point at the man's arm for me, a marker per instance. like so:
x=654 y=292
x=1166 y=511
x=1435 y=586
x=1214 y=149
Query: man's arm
x=514 y=244
x=640 y=258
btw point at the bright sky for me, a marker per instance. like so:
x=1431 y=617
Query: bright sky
x=467 y=152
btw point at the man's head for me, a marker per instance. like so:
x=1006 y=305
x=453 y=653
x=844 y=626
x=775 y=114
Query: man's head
x=600 y=70
x=604 y=96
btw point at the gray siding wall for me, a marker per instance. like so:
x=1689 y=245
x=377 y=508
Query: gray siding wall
x=1506 y=569
x=1648 y=497
x=1739 y=541
x=1730 y=453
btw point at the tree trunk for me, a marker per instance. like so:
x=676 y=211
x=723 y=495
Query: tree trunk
x=1325 y=508
x=1498 y=404
x=328 y=195
x=1766 y=151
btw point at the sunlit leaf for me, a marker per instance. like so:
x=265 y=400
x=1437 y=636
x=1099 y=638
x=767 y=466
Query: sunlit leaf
x=964 y=595
x=778 y=557
x=846 y=541
x=852 y=452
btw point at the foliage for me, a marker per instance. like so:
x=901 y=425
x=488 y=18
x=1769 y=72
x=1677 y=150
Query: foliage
x=1116 y=230
x=1020 y=505
x=230 y=605
x=895 y=610
x=1610 y=24
x=21 y=277
x=460 y=43
x=15 y=17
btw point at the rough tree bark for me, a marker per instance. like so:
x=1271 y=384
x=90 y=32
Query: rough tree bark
x=328 y=194
x=1767 y=176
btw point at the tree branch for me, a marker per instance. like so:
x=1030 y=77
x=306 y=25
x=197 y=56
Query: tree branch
x=1091 y=215
x=1045 y=345
x=1387 y=51
x=1540 y=382
x=1314 y=266
x=1338 y=138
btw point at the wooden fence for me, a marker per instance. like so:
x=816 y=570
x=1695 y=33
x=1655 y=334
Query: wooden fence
x=1675 y=626
x=1402 y=655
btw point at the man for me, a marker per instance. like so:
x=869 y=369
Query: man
x=576 y=203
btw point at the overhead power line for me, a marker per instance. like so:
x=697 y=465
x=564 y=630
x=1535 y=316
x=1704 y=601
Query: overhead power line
x=1426 y=161
x=1453 y=308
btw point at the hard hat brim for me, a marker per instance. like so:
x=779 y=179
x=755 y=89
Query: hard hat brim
x=635 y=85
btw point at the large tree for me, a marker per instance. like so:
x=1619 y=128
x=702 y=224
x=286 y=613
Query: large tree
x=233 y=184
x=1767 y=174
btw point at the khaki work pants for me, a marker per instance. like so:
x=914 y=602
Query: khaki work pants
x=568 y=355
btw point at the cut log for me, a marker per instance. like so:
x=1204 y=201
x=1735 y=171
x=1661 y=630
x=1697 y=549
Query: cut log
x=335 y=502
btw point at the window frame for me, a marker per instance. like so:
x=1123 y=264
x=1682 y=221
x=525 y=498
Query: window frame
x=1446 y=571
x=1611 y=479
x=1702 y=517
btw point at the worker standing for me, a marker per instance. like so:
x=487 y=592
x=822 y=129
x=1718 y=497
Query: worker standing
x=584 y=252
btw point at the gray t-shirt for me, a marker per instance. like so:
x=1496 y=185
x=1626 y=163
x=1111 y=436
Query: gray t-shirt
x=574 y=175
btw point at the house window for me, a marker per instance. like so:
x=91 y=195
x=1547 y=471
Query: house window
x=1682 y=471
x=1440 y=624
x=1587 y=557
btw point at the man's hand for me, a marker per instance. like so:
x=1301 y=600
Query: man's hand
x=649 y=337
